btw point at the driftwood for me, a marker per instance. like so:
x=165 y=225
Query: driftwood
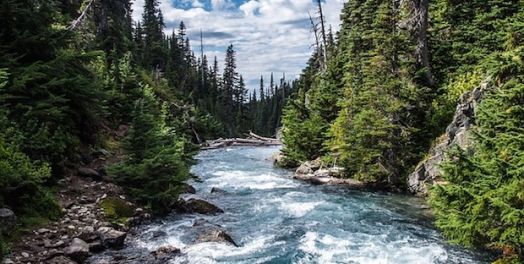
x=252 y=140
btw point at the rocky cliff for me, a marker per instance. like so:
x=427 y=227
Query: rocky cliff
x=457 y=133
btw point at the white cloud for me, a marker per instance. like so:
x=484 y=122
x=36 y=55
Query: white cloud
x=269 y=35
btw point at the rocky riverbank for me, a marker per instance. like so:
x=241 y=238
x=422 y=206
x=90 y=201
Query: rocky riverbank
x=90 y=222
x=99 y=216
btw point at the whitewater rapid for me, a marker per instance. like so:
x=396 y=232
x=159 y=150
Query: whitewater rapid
x=276 y=219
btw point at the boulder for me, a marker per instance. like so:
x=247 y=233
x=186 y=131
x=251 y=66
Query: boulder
x=78 y=250
x=197 y=206
x=166 y=253
x=7 y=220
x=111 y=238
x=216 y=235
x=309 y=167
x=186 y=188
x=89 y=173
x=428 y=171
x=158 y=233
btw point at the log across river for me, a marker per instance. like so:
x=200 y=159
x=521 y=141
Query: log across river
x=273 y=218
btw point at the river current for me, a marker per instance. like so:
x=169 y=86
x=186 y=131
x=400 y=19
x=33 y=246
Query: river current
x=276 y=219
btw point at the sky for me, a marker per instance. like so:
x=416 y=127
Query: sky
x=268 y=35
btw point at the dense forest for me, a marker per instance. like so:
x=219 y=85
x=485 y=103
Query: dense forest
x=75 y=73
x=389 y=88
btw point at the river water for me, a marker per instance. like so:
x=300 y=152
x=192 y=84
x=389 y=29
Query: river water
x=276 y=219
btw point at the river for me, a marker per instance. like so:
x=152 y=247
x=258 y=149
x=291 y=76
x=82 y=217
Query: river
x=276 y=219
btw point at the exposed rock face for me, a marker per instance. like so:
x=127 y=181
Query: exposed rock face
x=7 y=220
x=428 y=172
x=78 y=250
x=197 y=206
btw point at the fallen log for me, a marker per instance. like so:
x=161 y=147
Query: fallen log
x=252 y=140
x=255 y=136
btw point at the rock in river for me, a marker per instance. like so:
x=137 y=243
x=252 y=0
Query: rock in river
x=197 y=206
x=216 y=235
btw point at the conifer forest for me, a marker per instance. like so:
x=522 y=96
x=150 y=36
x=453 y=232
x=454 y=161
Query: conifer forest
x=143 y=131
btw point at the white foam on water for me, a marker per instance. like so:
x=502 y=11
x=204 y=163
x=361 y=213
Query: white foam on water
x=248 y=180
x=298 y=209
x=211 y=252
x=330 y=249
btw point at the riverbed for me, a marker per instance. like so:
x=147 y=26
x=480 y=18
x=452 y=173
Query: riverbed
x=276 y=219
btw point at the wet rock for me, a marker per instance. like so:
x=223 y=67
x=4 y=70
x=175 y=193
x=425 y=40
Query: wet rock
x=112 y=238
x=78 y=250
x=217 y=190
x=89 y=173
x=197 y=206
x=158 y=234
x=7 y=220
x=216 y=235
x=186 y=188
x=166 y=253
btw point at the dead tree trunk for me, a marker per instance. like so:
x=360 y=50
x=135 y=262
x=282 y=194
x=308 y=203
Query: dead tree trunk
x=420 y=12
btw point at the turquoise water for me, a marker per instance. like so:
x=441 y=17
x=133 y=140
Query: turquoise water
x=276 y=219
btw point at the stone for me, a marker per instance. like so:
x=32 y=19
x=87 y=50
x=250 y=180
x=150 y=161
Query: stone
x=216 y=235
x=24 y=254
x=7 y=220
x=89 y=173
x=43 y=230
x=111 y=238
x=186 y=188
x=166 y=253
x=8 y=261
x=58 y=244
x=61 y=260
x=88 y=234
x=197 y=206
x=78 y=250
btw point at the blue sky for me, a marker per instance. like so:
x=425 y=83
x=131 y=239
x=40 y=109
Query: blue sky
x=269 y=35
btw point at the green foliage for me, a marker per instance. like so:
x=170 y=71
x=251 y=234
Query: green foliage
x=158 y=157
x=116 y=209
x=22 y=180
x=481 y=204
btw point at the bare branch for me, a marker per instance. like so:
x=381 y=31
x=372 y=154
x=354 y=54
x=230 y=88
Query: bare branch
x=82 y=16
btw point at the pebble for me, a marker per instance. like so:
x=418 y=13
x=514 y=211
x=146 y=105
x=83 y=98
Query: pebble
x=25 y=254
